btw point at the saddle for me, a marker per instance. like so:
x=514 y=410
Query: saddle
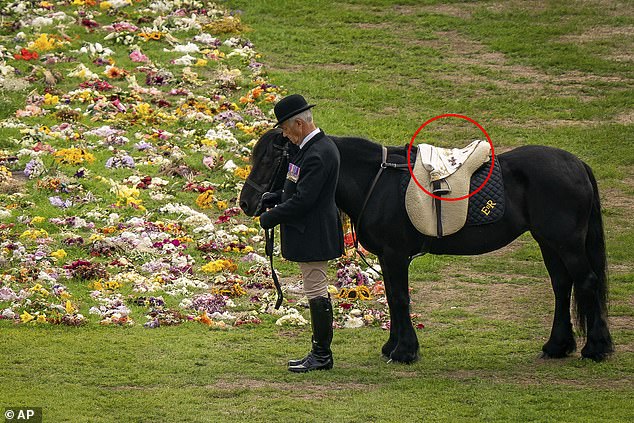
x=446 y=173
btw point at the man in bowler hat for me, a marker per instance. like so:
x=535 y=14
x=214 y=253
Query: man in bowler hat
x=310 y=227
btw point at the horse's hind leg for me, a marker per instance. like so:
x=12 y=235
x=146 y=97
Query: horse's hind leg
x=590 y=306
x=589 y=293
x=402 y=345
x=562 y=341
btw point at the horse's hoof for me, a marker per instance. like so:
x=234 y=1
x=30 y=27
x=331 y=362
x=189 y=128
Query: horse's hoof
x=549 y=350
x=387 y=349
x=597 y=350
x=403 y=357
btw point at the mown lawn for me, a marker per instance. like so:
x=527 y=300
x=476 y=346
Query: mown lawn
x=538 y=72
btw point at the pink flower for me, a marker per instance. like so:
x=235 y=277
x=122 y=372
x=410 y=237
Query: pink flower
x=208 y=161
x=137 y=56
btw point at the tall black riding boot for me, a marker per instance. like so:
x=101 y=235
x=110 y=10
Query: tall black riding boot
x=320 y=357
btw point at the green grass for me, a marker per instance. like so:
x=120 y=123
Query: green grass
x=379 y=69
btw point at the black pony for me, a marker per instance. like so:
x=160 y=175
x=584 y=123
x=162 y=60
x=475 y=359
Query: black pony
x=549 y=192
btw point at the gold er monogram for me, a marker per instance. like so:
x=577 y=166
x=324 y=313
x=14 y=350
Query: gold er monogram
x=489 y=206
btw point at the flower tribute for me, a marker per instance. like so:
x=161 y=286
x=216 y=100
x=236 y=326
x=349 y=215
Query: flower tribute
x=127 y=128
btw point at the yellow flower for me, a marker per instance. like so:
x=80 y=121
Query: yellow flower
x=154 y=35
x=37 y=219
x=59 y=254
x=51 y=100
x=222 y=205
x=41 y=318
x=73 y=156
x=144 y=109
x=114 y=72
x=26 y=317
x=208 y=142
x=134 y=203
x=205 y=200
x=34 y=234
x=105 y=5
x=201 y=62
x=242 y=173
x=43 y=43
x=219 y=266
x=69 y=307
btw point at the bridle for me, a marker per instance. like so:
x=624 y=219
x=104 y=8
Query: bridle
x=269 y=234
x=268 y=187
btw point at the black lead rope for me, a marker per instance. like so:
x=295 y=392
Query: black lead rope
x=269 y=236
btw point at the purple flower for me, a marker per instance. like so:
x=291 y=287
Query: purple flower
x=120 y=162
x=211 y=303
x=143 y=145
x=33 y=167
x=229 y=118
x=58 y=202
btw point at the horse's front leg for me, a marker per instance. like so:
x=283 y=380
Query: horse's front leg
x=402 y=346
x=392 y=341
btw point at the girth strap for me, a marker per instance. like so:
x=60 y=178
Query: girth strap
x=384 y=165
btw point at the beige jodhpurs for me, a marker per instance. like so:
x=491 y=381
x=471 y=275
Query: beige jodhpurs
x=315 y=280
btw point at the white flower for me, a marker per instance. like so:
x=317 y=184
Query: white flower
x=353 y=322
x=230 y=166
x=96 y=49
x=186 y=303
x=103 y=131
x=239 y=229
x=186 y=60
x=246 y=52
x=117 y=4
x=83 y=72
x=43 y=276
x=41 y=21
x=7 y=313
x=221 y=133
x=208 y=228
x=160 y=196
x=186 y=48
x=135 y=221
x=232 y=42
x=113 y=218
x=292 y=318
x=205 y=39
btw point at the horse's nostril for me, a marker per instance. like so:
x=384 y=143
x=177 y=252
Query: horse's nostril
x=243 y=206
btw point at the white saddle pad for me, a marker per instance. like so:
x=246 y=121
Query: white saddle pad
x=421 y=206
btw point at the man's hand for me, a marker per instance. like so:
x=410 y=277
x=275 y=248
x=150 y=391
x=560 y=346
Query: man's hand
x=265 y=221
x=270 y=200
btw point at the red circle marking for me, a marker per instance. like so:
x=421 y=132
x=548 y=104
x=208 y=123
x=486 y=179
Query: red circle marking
x=409 y=156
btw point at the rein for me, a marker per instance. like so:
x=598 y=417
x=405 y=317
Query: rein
x=384 y=165
x=269 y=234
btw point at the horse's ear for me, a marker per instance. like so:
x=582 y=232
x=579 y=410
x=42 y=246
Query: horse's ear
x=278 y=136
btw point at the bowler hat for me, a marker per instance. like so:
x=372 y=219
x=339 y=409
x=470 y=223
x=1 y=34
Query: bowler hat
x=290 y=106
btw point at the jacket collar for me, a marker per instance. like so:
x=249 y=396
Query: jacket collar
x=309 y=144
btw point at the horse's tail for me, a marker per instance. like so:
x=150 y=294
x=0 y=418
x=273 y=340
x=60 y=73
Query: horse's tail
x=595 y=251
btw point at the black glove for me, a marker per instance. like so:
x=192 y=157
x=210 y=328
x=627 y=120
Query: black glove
x=270 y=199
x=265 y=222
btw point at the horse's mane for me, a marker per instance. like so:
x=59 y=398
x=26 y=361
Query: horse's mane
x=367 y=148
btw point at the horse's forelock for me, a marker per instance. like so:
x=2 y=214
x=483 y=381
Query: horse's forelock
x=267 y=140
